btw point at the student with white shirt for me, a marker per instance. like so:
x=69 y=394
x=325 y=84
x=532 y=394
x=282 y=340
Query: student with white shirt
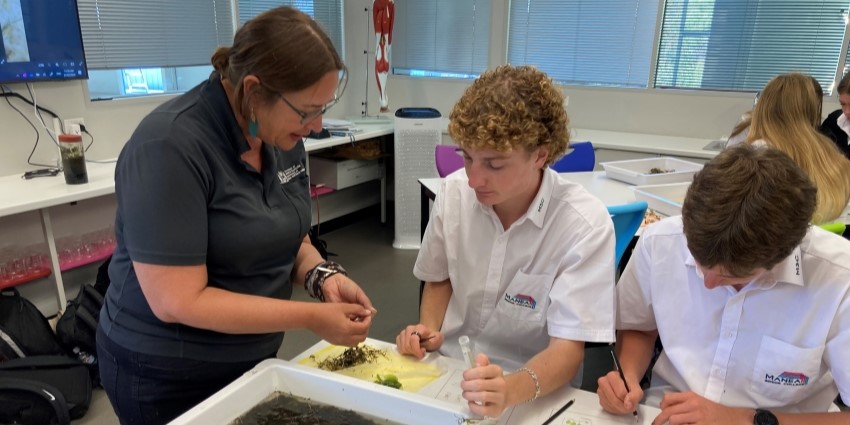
x=751 y=303
x=837 y=124
x=515 y=256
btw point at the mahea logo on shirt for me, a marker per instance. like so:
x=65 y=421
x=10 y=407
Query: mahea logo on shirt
x=790 y=379
x=521 y=300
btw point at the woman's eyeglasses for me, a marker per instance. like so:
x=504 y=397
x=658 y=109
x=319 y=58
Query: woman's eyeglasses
x=307 y=116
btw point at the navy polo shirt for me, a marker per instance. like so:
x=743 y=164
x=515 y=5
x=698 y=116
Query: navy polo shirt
x=185 y=197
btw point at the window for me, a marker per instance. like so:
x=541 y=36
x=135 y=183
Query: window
x=441 y=38
x=169 y=45
x=328 y=13
x=585 y=42
x=738 y=45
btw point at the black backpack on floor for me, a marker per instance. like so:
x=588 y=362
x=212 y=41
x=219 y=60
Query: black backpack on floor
x=77 y=327
x=42 y=390
x=24 y=331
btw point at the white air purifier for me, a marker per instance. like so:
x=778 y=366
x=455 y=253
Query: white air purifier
x=417 y=133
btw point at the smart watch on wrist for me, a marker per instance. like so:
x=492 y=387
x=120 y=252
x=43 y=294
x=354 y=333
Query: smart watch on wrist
x=764 y=417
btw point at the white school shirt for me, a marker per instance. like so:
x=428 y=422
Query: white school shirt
x=550 y=274
x=782 y=342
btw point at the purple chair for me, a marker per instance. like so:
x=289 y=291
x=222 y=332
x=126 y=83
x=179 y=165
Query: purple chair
x=448 y=159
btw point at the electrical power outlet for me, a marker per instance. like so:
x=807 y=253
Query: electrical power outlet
x=72 y=125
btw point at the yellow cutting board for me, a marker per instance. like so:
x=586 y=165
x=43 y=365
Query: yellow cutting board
x=412 y=373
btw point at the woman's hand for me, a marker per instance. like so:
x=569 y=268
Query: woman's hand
x=484 y=388
x=341 y=323
x=339 y=288
x=417 y=340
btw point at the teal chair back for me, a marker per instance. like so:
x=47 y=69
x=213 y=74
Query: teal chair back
x=627 y=219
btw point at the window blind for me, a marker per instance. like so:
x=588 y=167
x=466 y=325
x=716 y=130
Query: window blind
x=441 y=38
x=328 y=13
x=153 y=33
x=585 y=42
x=738 y=45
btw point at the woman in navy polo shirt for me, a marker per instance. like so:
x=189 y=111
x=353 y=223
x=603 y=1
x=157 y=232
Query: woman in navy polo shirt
x=212 y=221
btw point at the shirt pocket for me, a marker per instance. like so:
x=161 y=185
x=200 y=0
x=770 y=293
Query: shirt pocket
x=785 y=373
x=526 y=297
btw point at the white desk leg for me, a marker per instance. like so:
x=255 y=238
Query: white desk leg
x=383 y=191
x=47 y=226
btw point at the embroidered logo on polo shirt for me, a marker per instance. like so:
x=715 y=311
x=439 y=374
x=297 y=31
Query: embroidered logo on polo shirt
x=540 y=205
x=521 y=300
x=790 y=379
x=290 y=173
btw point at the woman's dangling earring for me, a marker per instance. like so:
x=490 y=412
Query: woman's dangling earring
x=253 y=125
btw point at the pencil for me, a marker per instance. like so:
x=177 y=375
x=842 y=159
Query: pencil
x=623 y=377
x=561 y=410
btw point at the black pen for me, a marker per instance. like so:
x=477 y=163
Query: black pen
x=561 y=410
x=623 y=377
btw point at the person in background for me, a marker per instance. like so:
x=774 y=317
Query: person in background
x=211 y=226
x=766 y=296
x=742 y=129
x=837 y=124
x=786 y=118
x=515 y=257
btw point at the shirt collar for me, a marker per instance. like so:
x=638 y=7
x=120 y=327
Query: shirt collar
x=789 y=270
x=537 y=209
x=219 y=105
x=844 y=124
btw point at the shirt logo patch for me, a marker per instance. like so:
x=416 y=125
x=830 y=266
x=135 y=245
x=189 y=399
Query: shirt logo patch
x=791 y=379
x=521 y=300
x=290 y=173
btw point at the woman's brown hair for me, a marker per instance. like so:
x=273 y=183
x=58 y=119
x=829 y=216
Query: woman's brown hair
x=283 y=47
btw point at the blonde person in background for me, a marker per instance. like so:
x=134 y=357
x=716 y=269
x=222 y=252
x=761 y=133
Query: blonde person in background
x=786 y=117
x=742 y=129
x=515 y=256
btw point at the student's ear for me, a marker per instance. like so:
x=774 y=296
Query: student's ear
x=541 y=156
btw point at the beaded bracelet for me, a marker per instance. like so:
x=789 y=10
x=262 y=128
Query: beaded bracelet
x=315 y=278
x=533 y=378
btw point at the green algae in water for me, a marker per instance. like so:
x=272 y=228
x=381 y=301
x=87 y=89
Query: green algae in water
x=282 y=408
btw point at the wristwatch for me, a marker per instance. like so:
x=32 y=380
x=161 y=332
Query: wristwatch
x=764 y=417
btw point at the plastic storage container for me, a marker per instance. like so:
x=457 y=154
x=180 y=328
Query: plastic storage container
x=73 y=158
x=638 y=171
x=341 y=391
x=667 y=199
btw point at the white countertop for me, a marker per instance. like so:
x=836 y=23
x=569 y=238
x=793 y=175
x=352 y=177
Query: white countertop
x=649 y=143
x=18 y=195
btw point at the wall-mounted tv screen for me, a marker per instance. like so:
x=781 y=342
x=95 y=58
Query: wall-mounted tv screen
x=41 y=41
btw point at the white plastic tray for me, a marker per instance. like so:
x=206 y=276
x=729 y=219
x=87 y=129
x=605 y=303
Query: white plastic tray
x=636 y=171
x=667 y=199
x=341 y=391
